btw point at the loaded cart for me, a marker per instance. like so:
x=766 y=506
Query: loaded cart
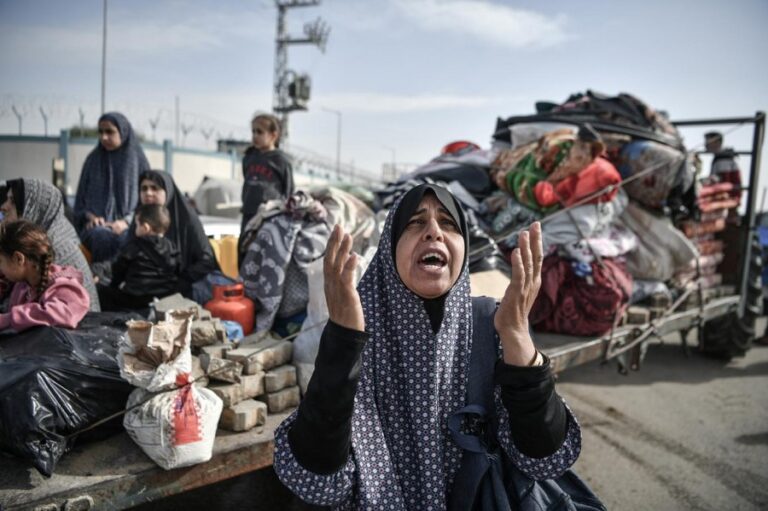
x=722 y=295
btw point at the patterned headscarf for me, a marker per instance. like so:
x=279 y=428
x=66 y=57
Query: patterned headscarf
x=42 y=203
x=411 y=381
x=108 y=185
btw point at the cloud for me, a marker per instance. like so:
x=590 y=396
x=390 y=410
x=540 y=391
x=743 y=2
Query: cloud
x=371 y=102
x=494 y=23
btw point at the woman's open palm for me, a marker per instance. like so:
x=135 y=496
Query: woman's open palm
x=344 y=307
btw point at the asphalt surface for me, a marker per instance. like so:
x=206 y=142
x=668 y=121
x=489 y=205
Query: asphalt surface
x=682 y=433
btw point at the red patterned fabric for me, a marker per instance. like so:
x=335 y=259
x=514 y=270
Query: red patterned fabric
x=593 y=178
x=568 y=304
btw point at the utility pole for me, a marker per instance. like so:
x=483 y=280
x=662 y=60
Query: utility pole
x=287 y=84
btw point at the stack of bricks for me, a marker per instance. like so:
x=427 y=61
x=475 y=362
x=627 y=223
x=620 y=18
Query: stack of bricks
x=718 y=204
x=252 y=380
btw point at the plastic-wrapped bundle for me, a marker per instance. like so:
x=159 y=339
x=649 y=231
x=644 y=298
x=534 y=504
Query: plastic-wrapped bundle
x=55 y=383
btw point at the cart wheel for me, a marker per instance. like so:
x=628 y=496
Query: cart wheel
x=730 y=335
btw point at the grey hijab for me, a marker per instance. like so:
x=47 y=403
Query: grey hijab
x=42 y=204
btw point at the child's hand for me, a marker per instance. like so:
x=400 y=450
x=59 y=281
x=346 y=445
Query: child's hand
x=118 y=226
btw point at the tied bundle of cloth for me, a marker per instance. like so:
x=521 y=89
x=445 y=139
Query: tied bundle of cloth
x=558 y=170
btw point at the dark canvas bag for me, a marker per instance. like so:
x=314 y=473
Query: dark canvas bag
x=487 y=479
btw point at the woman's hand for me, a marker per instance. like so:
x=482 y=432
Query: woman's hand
x=94 y=221
x=511 y=320
x=344 y=307
x=118 y=226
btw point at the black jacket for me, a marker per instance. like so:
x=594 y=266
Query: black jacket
x=147 y=266
x=267 y=176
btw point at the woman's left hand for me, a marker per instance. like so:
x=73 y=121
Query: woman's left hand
x=511 y=319
x=118 y=226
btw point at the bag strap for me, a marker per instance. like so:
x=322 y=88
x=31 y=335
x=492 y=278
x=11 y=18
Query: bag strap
x=480 y=406
x=485 y=351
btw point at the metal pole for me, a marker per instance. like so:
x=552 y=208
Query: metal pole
x=45 y=120
x=18 y=116
x=104 y=59
x=749 y=216
x=176 y=135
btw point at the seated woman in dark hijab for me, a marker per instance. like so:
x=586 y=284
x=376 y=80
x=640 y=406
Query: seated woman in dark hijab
x=197 y=259
x=393 y=366
x=42 y=203
x=107 y=193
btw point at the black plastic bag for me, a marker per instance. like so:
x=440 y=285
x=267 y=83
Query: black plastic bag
x=56 y=382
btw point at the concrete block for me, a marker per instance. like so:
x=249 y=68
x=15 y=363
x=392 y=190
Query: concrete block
x=660 y=300
x=217 y=350
x=204 y=333
x=222 y=369
x=244 y=415
x=246 y=357
x=230 y=393
x=269 y=353
x=176 y=302
x=638 y=315
x=198 y=373
x=221 y=332
x=253 y=385
x=282 y=399
x=280 y=378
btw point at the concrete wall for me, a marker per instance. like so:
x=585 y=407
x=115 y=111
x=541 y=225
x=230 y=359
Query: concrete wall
x=26 y=156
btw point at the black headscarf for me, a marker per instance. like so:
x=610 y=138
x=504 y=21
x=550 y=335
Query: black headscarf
x=186 y=231
x=408 y=205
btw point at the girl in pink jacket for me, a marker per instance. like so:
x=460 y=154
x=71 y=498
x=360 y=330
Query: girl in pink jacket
x=43 y=294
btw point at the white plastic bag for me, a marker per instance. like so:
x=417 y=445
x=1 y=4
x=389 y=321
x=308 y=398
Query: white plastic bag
x=168 y=341
x=174 y=428
x=307 y=343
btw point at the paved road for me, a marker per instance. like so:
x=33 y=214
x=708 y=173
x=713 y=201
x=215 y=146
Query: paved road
x=682 y=433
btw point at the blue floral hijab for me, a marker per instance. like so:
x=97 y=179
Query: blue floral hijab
x=108 y=184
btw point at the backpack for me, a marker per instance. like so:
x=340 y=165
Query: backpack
x=487 y=479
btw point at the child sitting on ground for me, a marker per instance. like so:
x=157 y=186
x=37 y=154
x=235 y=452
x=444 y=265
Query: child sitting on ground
x=43 y=294
x=147 y=266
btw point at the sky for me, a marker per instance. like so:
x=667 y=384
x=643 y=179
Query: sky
x=408 y=76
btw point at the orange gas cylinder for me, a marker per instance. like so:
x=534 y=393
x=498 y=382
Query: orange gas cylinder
x=230 y=302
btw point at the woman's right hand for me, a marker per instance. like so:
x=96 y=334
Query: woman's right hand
x=344 y=307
